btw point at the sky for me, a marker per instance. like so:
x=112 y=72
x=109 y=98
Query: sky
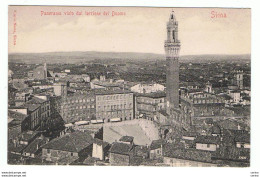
x=137 y=29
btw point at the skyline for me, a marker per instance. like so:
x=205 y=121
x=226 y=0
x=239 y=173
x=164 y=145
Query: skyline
x=142 y=32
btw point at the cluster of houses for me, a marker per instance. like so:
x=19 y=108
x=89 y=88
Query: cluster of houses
x=216 y=147
x=40 y=115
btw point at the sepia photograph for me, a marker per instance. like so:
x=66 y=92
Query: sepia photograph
x=129 y=86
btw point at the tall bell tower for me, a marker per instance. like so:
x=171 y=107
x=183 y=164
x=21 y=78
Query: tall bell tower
x=172 y=48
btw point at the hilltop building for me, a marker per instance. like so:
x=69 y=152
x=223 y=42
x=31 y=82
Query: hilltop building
x=147 y=105
x=104 y=83
x=172 y=48
x=102 y=105
x=239 y=79
x=112 y=104
x=66 y=149
x=183 y=105
x=147 y=88
x=38 y=110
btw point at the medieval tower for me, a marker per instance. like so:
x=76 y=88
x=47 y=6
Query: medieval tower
x=45 y=70
x=239 y=79
x=172 y=48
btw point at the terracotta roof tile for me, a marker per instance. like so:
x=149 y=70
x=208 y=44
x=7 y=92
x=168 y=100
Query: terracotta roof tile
x=73 y=142
x=157 y=144
x=121 y=148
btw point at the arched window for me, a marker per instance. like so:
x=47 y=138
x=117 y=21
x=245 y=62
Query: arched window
x=173 y=35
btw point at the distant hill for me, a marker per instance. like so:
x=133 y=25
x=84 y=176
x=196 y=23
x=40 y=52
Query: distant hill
x=201 y=58
x=79 y=57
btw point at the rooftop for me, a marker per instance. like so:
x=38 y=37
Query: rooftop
x=34 y=146
x=189 y=133
x=101 y=142
x=244 y=138
x=141 y=149
x=188 y=154
x=121 y=148
x=207 y=139
x=245 y=110
x=233 y=153
x=111 y=92
x=157 y=144
x=225 y=96
x=16 y=148
x=33 y=104
x=16 y=115
x=90 y=161
x=163 y=112
x=36 y=100
x=29 y=135
x=106 y=84
x=74 y=142
x=152 y=95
